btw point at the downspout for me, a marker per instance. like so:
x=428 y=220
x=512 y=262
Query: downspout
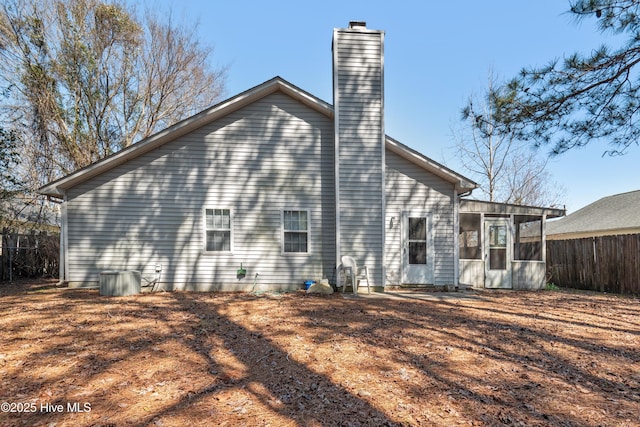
x=483 y=249
x=543 y=239
x=64 y=241
x=61 y=253
x=456 y=232
x=543 y=249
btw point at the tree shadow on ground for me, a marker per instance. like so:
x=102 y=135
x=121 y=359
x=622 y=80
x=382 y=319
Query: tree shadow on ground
x=243 y=359
x=537 y=354
x=284 y=386
x=116 y=353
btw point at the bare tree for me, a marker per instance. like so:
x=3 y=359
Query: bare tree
x=528 y=182
x=9 y=181
x=484 y=150
x=177 y=81
x=506 y=170
x=86 y=78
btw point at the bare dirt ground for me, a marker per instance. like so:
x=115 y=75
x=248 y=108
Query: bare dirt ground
x=73 y=358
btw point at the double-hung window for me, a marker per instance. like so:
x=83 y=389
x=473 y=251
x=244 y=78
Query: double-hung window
x=295 y=231
x=218 y=230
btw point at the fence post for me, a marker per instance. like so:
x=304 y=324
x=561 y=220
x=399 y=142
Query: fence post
x=10 y=259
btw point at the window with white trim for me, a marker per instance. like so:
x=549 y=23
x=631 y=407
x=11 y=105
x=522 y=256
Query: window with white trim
x=217 y=230
x=295 y=232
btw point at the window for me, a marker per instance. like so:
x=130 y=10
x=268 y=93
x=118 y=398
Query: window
x=218 y=230
x=296 y=232
x=417 y=240
x=498 y=247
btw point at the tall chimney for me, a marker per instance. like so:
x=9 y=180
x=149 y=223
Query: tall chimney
x=358 y=93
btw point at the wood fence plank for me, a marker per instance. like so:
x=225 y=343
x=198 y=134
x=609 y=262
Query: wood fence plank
x=604 y=264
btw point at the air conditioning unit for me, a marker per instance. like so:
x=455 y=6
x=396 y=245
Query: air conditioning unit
x=120 y=282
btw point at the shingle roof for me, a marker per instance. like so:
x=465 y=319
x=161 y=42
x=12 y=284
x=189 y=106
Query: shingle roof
x=617 y=212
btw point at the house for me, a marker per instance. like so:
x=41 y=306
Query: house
x=611 y=215
x=268 y=189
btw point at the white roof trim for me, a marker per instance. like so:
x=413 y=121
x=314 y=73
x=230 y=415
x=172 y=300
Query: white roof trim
x=481 y=206
x=56 y=188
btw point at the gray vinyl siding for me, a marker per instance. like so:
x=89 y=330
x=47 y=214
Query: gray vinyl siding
x=358 y=92
x=272 y=155
x=409 y=187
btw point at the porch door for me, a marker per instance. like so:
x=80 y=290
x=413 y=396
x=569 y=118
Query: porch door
x=497 y=254
x=417 y=248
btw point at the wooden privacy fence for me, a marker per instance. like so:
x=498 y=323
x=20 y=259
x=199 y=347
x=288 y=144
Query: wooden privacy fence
x=29 y=256
x=603 y=264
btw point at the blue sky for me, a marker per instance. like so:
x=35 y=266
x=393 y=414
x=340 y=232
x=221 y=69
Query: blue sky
x=437 y=53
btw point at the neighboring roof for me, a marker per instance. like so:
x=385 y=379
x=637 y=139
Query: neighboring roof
x=57 y=188
x=617 y=214
x=24 y=214
x=479 y=206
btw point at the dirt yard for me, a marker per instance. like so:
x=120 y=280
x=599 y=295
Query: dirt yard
x=74 y=358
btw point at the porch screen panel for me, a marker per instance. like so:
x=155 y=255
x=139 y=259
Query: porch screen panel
x=528 y=242
x=469 y=236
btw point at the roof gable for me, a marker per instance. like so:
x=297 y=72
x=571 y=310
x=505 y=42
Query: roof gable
x=616 y=212
x=56 y=188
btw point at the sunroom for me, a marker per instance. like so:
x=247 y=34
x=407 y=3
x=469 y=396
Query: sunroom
x=502 y=246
